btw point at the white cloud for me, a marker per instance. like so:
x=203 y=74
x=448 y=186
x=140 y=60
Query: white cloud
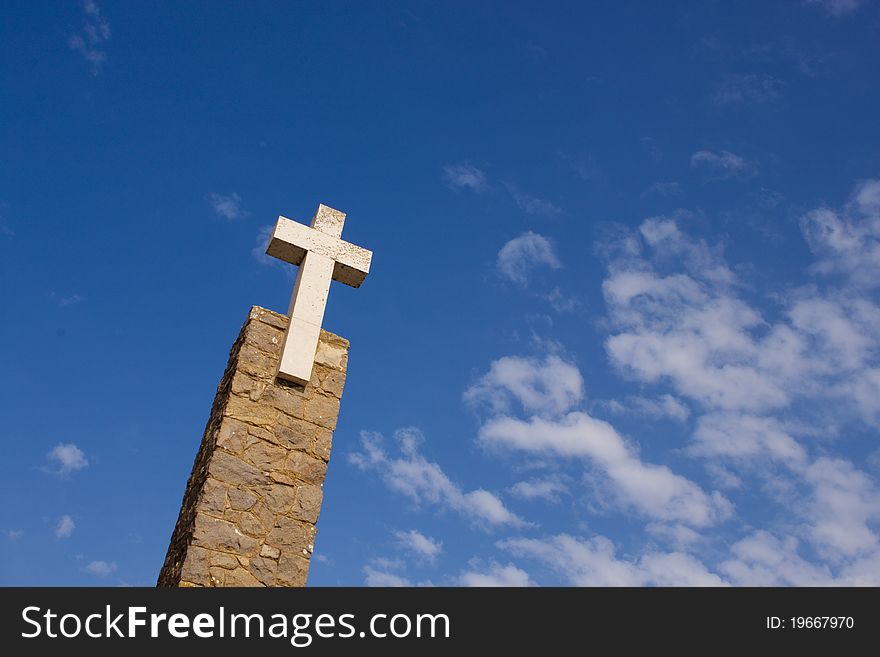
x=65 y=527
x=227 y=206
x=548 y=387
x=745 y=437
x=66 y=458
x=465 y=176
x=95 y=31
x=679 y=536
x=424 y=482
x=838 y=8
x=100 y=568
x=653 y=490
x=749 y=88
x=522 y=255
x=723 y=164
x=548 y=391
x=374 y=577
x=841 y=510
x=495 y=575
x=14 y=534
x=548 y=490
x=531 y=204
x=867 y=197
x=663 y=407
x=766 y=392
x=592 y=562
x=421 y=545
x=765 y=560
x=560 y=302
x=847 y=241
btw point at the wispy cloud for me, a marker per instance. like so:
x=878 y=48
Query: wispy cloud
x=748 y=89
x=376 y=577
x=723 y=164
x=549 y=393
x=424 y=481
x=547 y=386
x=422 y=546
x=465 y=176
x=664 y=407
x=94 y=33
x=519 y=257
x=531 y=204
x=65 y=527
x=14 y=534
x=100 y=568
x=65 y=301
x=762 y=389
x=227 y=206
x=838 y=8
x=548 y=490
x=66 y=458
x=494 y=574
x=593 y=562
x=665 y=189
x=847 y=240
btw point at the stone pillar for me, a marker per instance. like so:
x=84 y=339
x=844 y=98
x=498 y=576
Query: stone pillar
x=253 y=498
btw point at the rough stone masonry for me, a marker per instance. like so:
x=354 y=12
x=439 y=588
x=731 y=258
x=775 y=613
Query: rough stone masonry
x=253 y=498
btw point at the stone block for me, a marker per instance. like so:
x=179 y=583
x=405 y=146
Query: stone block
x=214 y=534
x=305 y=467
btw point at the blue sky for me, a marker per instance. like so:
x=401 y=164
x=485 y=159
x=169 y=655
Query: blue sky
x=622 y=321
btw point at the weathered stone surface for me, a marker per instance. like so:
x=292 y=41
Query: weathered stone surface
x=234 y=471
x=270 y=318
x=308 y=503
x=270 y=552
x=296 y=434
x=255 y=362
x=332 y=382
x=212 y=533
x=263 y=569
x=253 y=525
x=304 y=467
x=232 y=436
x=253 y=498
x=293 y=569
x=322 y=410
x=332 y=352
x=213 y=500
x=323 y=443
x=251 y=412
x=240 y=577
x=265 y=456
x=195 y=569
x=222 y=560
x=241 y=500
x=287 y=400
x=280 y=498
x=291 y=535
x=265 y=337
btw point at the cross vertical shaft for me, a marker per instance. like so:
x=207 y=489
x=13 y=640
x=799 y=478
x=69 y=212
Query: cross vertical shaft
x=322 y=256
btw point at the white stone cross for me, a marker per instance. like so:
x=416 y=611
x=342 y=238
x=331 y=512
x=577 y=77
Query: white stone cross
x=321 y=255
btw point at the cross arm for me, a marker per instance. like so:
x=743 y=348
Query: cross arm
x=291 y=241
